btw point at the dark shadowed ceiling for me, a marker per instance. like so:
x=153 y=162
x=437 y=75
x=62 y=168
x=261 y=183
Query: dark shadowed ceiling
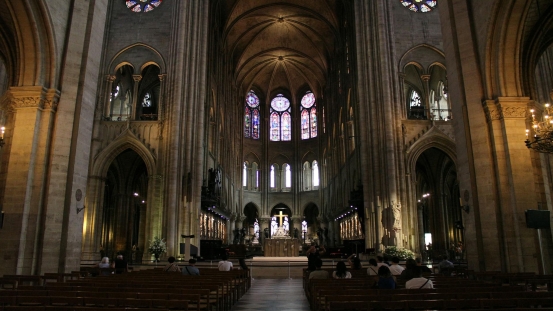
x=281 y=44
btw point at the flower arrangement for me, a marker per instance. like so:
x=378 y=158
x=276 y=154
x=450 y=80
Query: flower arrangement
x=157 y=247
x=401 y=253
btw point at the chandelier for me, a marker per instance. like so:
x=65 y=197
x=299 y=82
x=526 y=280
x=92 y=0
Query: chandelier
x=542 y=141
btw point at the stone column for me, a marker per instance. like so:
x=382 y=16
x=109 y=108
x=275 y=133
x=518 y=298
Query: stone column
x=515 y=181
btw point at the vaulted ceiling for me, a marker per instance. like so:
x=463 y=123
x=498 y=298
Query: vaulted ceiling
x=279 y=45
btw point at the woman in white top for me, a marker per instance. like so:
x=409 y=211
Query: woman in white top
x=341 y=271
x=224 y=264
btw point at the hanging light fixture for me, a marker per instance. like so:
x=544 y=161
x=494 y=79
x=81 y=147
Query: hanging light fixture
x=542 y=130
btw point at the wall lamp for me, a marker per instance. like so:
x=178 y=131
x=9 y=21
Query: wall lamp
x=2 y=130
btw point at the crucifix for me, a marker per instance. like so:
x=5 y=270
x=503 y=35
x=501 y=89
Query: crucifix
x=280 y=218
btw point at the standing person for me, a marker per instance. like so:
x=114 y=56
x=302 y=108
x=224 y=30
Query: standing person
x=341 y=271
x=373 y=267
x=385 y=278
x=120 y=265
x=313 y=253
x=191 y=268
x=224 y=264
x=171 y=266
x=395 y=268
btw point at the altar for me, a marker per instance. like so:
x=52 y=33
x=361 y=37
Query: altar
x=281 y=247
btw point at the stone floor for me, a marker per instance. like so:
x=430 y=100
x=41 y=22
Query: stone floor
x=274 y=294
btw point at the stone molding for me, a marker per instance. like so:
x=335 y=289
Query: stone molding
x=31 y=97
x=506 y=108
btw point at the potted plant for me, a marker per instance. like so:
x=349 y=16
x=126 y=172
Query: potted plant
x=401 y=253
x=157 y=247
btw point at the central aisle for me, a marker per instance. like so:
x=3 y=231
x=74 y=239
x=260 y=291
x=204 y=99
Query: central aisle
x=274 y=294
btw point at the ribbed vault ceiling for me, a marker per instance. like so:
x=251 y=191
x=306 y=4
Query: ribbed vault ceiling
x=279 y=45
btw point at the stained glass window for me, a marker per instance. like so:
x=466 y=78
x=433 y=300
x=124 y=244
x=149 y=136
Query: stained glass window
x=272 y=176
x=288 y=176
x=281 y=120
x=245 y=175
x=422 y=6
x=145 y=6
x=251 y=116
x=308 y=110
x=304 y=124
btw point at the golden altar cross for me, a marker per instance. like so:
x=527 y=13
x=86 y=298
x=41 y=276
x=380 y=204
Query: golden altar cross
x=280 y=218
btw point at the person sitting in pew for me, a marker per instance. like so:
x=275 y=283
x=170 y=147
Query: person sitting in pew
x=341 y=271
x=410 y=270
x=373 y=267
x=191 y=268
x=418 y=282
x=385 y=278
x=318 y=273
x=171 y=266
x=224 y=264
x=424 y=269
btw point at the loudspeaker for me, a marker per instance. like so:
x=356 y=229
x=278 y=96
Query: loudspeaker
x=193 y=249
x=537 y=219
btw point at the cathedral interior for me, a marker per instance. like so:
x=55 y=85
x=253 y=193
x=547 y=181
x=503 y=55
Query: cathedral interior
x=416 y=124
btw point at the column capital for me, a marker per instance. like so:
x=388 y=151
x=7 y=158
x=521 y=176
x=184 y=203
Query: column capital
x=513 y=107
x=30 y=97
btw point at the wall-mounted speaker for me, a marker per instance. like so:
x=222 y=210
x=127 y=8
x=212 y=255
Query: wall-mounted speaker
x=537 y=219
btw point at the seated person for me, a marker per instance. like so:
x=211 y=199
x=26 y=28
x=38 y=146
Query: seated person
x=120 y=265
x=104 y=266
x=171 y=266
x=373 y=267
x=445 y=266
x=418 y=282
x=410 y=270
x=224 y=264
x=318 y=273
x=341 y=271
x=385 y=278
x=354 y=262
x=191 y=268
x=424 y=269
x=395 y=268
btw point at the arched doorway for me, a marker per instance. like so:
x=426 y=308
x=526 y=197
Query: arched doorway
x=310 y=215
x=439 y=213
x=124 y=206
x=252 y=216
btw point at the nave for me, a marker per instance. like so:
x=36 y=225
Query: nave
x=274 y=294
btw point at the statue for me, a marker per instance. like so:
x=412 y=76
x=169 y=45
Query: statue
x=236 y=239
x=256 y=232
x=242 y=235
x=274 y=226
x=286 y=225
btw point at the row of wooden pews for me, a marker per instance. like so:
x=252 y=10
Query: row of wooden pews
x=449 y=293
x=150 y=289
